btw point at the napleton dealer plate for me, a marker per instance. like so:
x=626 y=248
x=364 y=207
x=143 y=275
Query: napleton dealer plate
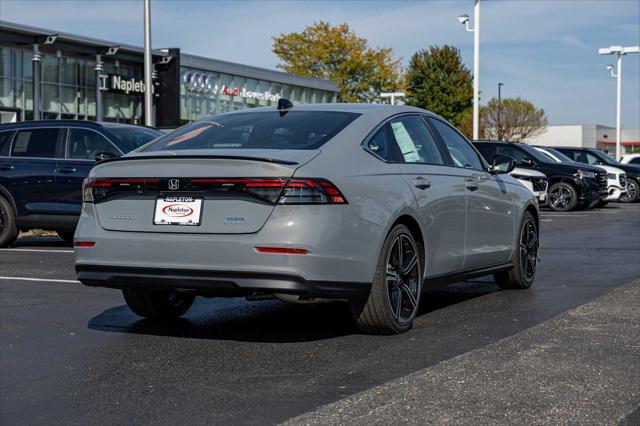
x=178 y=211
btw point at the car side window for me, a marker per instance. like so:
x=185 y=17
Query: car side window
x=5 y=140
x=635 y=160
x=486 y=151
x=461 y=151
x=83 y=144
x=381 y=144
x=513 y=152
x=36 y=143
x=415 y=141
x=592 y=159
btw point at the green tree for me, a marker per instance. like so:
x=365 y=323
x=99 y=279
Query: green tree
x=438 y=80
x=512 y=119
x=338 y=54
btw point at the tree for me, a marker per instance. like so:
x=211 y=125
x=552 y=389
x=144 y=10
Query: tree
x=512 y=119
x=438 y=80
x=338 y=54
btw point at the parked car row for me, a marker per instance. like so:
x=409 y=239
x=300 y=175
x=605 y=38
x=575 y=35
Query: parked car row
x=43 y=165
x=576 y=178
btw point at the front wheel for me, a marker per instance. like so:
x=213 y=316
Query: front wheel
x=161 y=305
x=632 y=194
x=562 y=197
x=393 y=301
x=522 y=274
x=8 y=230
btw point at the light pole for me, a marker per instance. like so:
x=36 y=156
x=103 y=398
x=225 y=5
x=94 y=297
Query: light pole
x=500 y=84
x=148 y=66
x=392 y=95
x=619 y=51
x=464 y=19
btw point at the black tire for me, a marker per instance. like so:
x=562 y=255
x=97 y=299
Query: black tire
x=563 y=197
x=66 y=236
x=160 y=305
x=633 y=192
x=525 y=261
x=8 y=229
x=394 y=299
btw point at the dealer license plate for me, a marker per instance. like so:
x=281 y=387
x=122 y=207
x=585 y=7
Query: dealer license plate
x=178 y=211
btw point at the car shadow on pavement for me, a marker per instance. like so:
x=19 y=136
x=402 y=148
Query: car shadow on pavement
x=270 y=321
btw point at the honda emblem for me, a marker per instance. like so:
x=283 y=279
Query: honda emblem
x=174 y=184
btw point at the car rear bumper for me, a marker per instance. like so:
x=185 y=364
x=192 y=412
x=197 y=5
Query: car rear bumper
x=217 y=283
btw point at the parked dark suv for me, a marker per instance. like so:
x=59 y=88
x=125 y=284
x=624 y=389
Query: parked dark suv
x=43 y=164
x=595 y=157
x=570 y=186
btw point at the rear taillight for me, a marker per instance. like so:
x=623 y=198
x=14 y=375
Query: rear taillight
x=311 y=191
x=274 y=190
x=97 y=189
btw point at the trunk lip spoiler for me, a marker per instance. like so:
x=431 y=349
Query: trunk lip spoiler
x=191 y=156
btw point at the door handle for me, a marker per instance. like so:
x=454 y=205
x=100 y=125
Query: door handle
x=421 y=183
x=66 y=169
x=471 y=184
x=6 y=166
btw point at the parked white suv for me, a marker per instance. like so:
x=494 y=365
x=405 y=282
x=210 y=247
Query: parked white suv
x=616 y=178
x=534 y=181
x=630 y=159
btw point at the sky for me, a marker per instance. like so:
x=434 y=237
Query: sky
x=543 y=50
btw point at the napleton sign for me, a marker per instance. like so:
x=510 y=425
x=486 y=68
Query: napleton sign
x=120 y=84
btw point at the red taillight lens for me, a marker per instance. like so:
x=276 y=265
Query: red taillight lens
x=311 y=191
x=96 y=189
x=84 y=243
x=281 y=250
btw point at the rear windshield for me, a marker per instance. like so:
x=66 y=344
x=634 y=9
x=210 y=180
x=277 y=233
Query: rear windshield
x=257 y=130
x=131 y=137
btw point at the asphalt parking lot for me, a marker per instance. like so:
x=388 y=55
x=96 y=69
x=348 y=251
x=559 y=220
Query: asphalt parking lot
x=70 y=354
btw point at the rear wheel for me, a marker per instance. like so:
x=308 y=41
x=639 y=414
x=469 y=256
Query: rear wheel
x=395 y=291
x=523 y=273
x=158 y=304
x=8 y=228
x=562 y=197
x=633 y=192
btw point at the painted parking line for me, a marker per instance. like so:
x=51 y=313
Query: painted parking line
x=36 y=250
x=40 y=280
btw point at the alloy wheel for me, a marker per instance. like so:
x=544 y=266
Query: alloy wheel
x=529 y=249
x=560 y=197
x=632 y=192
x=2 y=220
x=403 y=278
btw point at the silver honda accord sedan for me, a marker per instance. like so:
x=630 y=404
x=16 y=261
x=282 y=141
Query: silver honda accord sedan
x=369 y=204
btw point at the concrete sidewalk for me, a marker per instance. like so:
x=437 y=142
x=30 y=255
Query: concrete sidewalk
x=581 y=367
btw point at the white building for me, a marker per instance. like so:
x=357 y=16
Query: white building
x=588 y=136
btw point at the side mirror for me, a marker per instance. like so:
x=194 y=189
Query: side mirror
x=104 y=156
x=502 y=164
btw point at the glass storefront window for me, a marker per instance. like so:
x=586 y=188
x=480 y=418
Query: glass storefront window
x=5 y=62
x=5 y=93
x=27 y=65
x=50 y=68
x=50 y=99
x=68 y=71
x=68 y=100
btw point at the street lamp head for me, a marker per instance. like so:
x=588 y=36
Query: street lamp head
x=610 y=67
x=463 y=19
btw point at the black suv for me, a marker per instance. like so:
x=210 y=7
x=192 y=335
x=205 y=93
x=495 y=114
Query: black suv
x=43 y=164
x=594 y=157
x=571 y=186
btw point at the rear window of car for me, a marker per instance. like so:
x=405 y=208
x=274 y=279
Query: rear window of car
x=131 y=137
x=39 y=143
x=302 y=130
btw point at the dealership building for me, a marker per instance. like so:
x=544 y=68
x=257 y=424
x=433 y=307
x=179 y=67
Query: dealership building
x=589 y=136
x=47 y=74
